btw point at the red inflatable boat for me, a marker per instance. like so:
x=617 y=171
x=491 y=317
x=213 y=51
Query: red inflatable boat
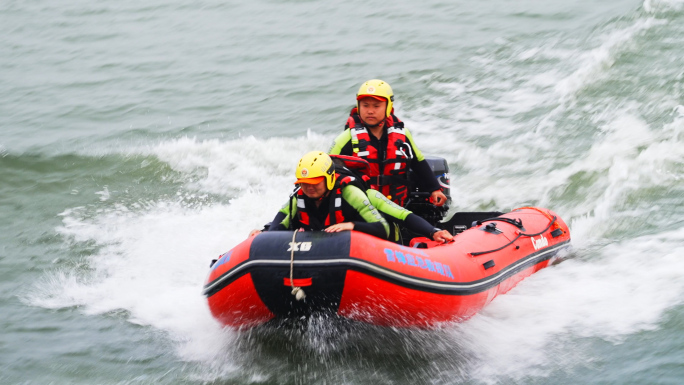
x=364 y=278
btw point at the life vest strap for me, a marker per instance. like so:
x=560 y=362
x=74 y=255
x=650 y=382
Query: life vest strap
x=388 y=167
x=383 y=180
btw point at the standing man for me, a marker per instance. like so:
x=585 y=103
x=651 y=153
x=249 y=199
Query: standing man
x=375 y=134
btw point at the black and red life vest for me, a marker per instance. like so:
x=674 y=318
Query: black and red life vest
x=335 y=214
x=388 y=175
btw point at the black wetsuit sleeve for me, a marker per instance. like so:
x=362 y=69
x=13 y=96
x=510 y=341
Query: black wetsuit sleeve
x=419 y=225
x=426 y=178
x=347 y=149
x=375 y=229
x=276 y=224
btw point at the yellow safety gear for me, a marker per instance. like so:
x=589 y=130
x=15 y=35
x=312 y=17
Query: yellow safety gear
x=378 y=89
x=316 y=165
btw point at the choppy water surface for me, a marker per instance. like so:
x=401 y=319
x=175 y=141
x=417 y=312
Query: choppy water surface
x=140 y=140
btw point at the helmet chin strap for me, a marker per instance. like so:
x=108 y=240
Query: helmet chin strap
x=324 y=195
x=380 y=124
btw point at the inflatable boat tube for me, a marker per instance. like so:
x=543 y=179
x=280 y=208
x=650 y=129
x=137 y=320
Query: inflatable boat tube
x=368 y=279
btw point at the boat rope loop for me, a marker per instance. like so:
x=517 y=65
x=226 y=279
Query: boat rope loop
x=297 y=291
x=553 y=220
x=520 y=234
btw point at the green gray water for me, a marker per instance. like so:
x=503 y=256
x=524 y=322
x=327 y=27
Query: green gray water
x=140 y=140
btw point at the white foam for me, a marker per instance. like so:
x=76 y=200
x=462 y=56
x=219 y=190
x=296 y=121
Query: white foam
x=153 y=256
x=608 y=292
x=152 y=264
x=623 y=289
x=594 y=63
x=515 y=167
x=104 y=194
x=230 y=167
x=484 y=107
x=628 y=154
x=633 y=157
x=656 y=6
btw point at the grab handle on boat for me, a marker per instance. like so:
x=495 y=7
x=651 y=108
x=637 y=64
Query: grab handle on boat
x=515 y=222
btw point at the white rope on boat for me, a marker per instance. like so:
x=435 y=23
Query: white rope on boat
x=298 y=292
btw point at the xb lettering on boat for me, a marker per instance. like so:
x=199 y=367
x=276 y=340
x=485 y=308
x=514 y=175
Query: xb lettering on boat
x=299 y=246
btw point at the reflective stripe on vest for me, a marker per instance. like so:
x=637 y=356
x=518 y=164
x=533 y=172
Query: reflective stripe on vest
x=304 y=217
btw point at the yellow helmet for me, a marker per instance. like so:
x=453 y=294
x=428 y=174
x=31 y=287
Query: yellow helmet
x=377 y=89
x=315 y=167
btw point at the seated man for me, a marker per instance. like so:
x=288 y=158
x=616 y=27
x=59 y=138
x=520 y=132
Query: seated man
x=318 y=195
x=375 y=134
x=322 y=202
